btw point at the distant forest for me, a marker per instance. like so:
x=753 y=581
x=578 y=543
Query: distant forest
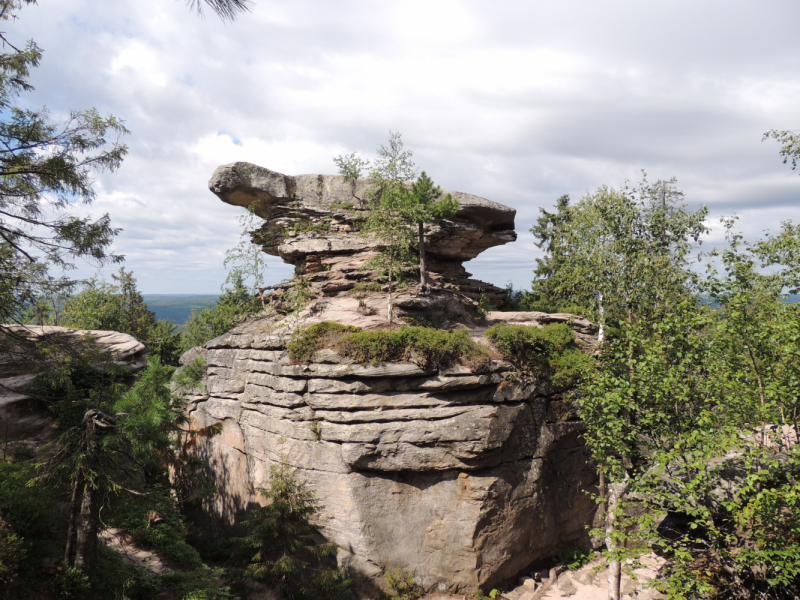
x=178 y=307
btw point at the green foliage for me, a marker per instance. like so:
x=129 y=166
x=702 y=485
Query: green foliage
x=539 y=301
x=74 y=584
x=162 y=538
x=552 y=347
x=620 y=254
x=203 y=583
x=479 y=595
x=12 y=553
x=790 y=145
x=234 y=305
x=281 y=550
x=152 y=420
x=393 y=162
x=394 y=206
x=574 y=558
x=245 y=261
x=430 y=348
x=119 y=306
x=312 y=227
x=351 y=167
x=190 y=376
x=77 y=376
x=483 y=307
x=318 y=336
x=45 y=169
x=401 y=586
x=690 y=414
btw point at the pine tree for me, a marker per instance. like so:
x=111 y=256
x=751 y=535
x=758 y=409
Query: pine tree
x=281 y=549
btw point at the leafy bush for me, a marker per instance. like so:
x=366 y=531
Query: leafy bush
x=551 y=347
x=574 y=558
x=234 y=305
x=165 y=540
x=32 y=509
x=401 y=586
x=11 y=553
x=74 y=584
x=204 y=583
x=430 y=348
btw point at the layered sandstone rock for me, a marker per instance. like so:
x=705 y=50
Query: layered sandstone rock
x=22 y=417
x=463 y=477
x=310 y=221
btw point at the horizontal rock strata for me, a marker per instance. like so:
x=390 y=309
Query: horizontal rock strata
x=462 y=478
x=22 y=416
x=311 y=221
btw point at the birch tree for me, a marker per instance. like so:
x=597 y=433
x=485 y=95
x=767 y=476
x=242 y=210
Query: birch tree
x=624 y=255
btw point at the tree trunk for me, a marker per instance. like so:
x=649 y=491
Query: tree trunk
x=599 y=521
x=601 y=327
x=87 y=494
x=423 y=270
x=74 y=511
x=389 y=299
x=86 y=534
x=615 y=491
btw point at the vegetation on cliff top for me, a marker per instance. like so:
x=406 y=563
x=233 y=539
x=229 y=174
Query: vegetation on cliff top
x=429 y=348
x=552 y=347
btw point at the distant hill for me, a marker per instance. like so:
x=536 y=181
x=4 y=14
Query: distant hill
x=178 y=307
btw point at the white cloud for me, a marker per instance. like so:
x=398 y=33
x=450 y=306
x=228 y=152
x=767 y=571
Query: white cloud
x=516 y=101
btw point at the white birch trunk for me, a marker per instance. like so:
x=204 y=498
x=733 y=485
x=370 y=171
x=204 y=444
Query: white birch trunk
x=601 y=311
x=615 y=492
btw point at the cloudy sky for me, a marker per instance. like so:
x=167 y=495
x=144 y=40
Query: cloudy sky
x=516 y=101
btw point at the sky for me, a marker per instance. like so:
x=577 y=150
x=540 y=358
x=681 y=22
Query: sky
x=516 y=101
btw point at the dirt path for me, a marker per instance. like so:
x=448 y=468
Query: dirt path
x=121 y=542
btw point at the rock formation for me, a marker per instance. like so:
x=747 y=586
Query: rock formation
x=21 y=417
x=310 y=222
x=463 y=476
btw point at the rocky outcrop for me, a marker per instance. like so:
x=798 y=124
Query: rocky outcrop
x=310 y=221
x=21 y=417
x=462 y=476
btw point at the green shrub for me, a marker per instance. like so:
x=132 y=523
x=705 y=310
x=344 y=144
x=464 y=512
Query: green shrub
x=316 y=337
x=74 y=584
x=551 y=347
x=430 y=348
x=574 y=558
x=11 y=553
x=401 y=586
x=165 y=540
x=201 y=584
x=282 y=549
x=32 y=509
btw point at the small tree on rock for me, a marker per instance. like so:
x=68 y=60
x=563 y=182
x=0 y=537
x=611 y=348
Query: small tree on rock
x=281 y=548
x=425 y=206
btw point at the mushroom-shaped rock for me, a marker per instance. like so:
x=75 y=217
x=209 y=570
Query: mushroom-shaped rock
x=312 y=214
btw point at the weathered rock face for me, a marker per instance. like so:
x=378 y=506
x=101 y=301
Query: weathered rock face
x=21 y=416
x=462 y=477
x=310 y=222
